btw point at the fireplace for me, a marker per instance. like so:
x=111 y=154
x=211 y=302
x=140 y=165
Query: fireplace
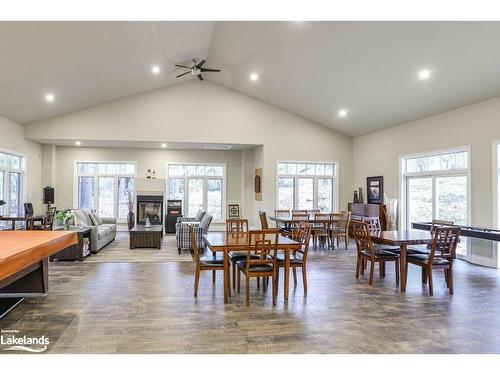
x=150 y=206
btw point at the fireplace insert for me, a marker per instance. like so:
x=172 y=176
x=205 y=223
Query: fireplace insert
x=150 y=206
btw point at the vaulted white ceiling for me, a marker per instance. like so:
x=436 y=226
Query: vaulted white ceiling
x=312 y=69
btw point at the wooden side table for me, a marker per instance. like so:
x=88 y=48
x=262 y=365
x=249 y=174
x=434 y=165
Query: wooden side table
x=140 y=236
x=74 y=252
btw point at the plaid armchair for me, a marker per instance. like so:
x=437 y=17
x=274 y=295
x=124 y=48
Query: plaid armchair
x=182 y=233
x=198 y=217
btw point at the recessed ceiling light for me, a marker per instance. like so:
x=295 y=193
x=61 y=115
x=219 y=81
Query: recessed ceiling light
x=78 y=143
x=155 y=69
x=50 y=98
x=163 y=145
x=342 y=112
x=424 y=74
x=254 y=77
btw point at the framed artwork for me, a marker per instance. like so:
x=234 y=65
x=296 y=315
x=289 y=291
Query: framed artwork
x=375 y=189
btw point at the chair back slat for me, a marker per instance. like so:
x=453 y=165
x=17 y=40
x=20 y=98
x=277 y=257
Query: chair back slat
x=236 y=226
x=445 y=240
x=262 y=243
x=195 y=253
x=263 y=220
x=373 y=223
x=302 y=234
x=299 y=212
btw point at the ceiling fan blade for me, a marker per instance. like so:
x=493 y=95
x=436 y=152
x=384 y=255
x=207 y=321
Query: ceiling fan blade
x=201 y=64
x=209 y=70
x=200 y=77
x=182 y=66
x=183 y=74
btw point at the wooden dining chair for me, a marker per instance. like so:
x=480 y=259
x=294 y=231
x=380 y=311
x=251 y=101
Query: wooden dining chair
x=340 y=228
x=321 y=230
x=368 y=252
x=263 y=244
x=426 y=249
x=298 y=259
x=442 y=253
x=296 y=219
x=203 y=263
x=299 y=212
x=237 y=227
x=263 y=220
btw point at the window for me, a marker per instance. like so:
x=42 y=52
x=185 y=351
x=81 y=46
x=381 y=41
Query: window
x=199 y=186
x=11 y=183
x=436 y=187
x=107 y=188
x=306 y=186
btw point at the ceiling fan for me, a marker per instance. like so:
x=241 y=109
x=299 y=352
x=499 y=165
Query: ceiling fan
x=196 y=69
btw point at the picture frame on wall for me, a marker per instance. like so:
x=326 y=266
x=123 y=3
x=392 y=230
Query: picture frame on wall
x=375 y=189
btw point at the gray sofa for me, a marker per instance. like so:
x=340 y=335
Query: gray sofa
x=100 y=235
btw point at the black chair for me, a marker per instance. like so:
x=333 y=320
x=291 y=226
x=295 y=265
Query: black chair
x=28 y=209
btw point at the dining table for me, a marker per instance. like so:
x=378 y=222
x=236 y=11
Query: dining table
x=29 y=220
x=402 y=238
x=226 y=242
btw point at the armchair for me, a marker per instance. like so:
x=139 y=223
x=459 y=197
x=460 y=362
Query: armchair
x=183 y=237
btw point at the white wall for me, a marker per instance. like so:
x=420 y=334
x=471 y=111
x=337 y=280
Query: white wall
x=145 y=159
x=12 y=140
x=205 y=112
x=477 y=126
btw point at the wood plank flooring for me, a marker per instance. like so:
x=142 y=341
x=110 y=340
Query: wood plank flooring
x=148 y=307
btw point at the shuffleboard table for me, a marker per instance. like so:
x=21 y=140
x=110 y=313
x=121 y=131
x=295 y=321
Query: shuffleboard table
x=24 y=263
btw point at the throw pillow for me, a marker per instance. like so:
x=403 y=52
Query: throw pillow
x=200 y=215
x=94 y=219
x=99 y=220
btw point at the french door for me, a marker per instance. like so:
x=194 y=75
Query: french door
x=432 y=197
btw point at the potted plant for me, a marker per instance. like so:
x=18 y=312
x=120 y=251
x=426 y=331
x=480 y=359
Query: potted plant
x=64 y=216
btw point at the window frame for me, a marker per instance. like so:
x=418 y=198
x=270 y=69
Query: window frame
x=315 y=177
x=95 y=177
x=404 y=176
x=6 y=182
x=205 y=190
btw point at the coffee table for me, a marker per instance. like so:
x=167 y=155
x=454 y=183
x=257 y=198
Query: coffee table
x=140 y=236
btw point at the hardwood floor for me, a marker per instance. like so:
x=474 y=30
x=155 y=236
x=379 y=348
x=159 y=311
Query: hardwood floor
x=148 y=307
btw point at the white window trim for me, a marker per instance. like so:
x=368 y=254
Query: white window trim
x=450 y=172
x=23 y=189
x=204 y=177
x=335 y=184
x=96 y=187
x=495 y=197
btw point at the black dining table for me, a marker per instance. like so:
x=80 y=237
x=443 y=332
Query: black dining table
x=402 y=238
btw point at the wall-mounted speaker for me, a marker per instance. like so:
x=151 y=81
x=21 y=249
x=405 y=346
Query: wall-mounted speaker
x=48 y=195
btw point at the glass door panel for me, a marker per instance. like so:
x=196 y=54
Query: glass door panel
x=14 y=193
x=125 y=197
x=214 y=198
x=306 y=194
x=195 y=196
x=285 y=193
x=419 y=200
x=325 y=194
x=106 y=197
x=451 y=199
x=86 y=192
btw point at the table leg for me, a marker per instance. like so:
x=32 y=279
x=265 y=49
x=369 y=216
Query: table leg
x=402 y=266
x=226 y=277
x=287 y=272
